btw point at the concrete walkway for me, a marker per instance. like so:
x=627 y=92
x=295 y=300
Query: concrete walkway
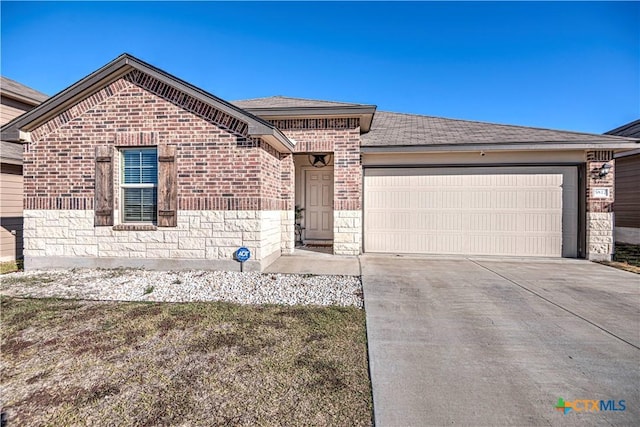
x=309 y=261
x=497 y=342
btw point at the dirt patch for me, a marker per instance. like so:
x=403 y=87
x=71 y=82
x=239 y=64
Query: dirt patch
x=200 y=364
x=622 y=266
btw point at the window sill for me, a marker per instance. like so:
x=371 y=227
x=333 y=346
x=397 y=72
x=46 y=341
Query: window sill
x=135 y=227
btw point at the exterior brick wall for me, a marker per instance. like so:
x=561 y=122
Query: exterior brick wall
x=219 y=167
x=347 y=192
x=317 y=135
x=600 y=222
x=287 y=181
x=595 y=160
x=340 y=137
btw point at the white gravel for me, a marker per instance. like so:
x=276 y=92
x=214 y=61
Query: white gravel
x=184 y=286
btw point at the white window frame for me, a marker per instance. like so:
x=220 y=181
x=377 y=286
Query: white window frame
x=124 y=186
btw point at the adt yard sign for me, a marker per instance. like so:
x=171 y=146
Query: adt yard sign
x=243 y=254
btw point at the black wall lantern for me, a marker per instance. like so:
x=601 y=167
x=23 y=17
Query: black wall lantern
x=604 y=170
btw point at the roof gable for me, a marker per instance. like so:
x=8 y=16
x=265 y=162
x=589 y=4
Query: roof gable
x=401 y=130
x=180 y=93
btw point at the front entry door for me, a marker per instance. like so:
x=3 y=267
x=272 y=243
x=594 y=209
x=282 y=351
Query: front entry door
x=319 y=204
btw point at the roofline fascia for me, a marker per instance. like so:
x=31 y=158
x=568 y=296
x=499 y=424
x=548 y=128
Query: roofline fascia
x=21 y=98
x=627 y=153
x=10 y=134
x=273 y=136
x=499 y=147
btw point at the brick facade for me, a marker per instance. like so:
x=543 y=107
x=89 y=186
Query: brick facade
x=600 y=221
x=595 y=160
x=219 y=167
x=232 y=189
x=340 y=137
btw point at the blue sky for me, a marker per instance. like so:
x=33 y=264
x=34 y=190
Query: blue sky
x=571 y=65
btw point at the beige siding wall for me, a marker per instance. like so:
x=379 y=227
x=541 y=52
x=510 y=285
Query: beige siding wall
x=10 y=109
x=11 y=212
x=11 y=191
x=472 y=158
x=627 y=192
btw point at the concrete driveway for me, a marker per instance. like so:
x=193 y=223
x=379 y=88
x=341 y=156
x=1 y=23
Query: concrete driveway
x=497 y=341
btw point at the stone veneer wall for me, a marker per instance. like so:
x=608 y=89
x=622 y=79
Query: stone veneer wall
x=599 y=219
x=347 y=232
x=287 y=227
x=206 y=239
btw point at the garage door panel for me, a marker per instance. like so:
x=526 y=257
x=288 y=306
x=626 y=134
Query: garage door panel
x=494 y=211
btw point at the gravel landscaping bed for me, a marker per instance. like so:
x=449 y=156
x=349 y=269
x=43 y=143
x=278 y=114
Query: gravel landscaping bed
x=185 y=286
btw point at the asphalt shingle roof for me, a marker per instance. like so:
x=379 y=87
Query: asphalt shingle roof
x=9 y=86
x=287 y=102
x=631 y=130
x=398 y=129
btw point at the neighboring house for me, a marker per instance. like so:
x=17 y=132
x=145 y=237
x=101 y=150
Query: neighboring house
x=627 y=188
x=131 y=166
x=15 y=99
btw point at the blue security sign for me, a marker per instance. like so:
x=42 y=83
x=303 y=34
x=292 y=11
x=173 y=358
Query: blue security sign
x=243 y=254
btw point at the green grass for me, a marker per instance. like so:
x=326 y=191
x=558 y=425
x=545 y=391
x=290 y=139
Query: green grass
x=200 y=364
x=11 y=266
x=627 y=253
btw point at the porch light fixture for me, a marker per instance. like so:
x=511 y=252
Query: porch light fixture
x=319 y=160
x=604 y=170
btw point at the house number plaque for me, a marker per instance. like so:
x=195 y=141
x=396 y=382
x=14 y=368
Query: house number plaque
x=600 y=193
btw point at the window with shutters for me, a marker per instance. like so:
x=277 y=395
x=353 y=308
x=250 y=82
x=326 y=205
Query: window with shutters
x=139 y=185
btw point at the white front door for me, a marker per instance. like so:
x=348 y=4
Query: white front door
x=318 y=212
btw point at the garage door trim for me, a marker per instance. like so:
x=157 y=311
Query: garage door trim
x=578 y=204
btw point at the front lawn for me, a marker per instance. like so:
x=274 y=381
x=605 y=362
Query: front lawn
x=70 y=362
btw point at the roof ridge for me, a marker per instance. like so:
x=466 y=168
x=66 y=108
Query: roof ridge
x=508 y=125
x=295 y=98
x=315 y=99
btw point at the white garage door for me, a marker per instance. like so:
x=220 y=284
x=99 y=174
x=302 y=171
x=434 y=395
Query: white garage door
x=520 y=211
